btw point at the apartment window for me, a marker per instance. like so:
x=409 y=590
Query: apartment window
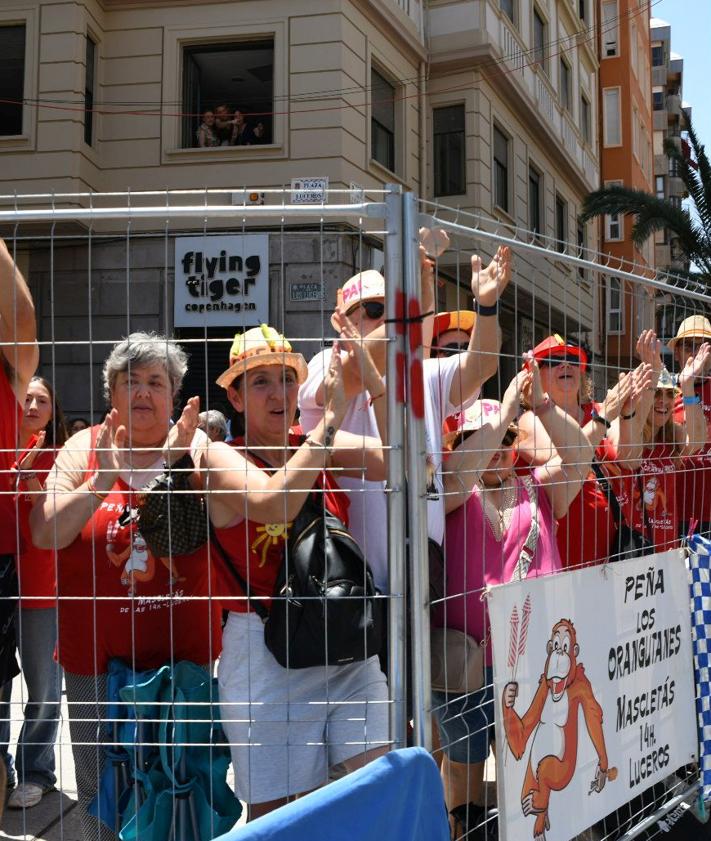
x=659 y=186
x=610 y=38
x=582 y=10
x=561 y=223
x=564 y=84
x=89 y=76
x=635 y=134
x=535 y=199
x=674 y=168
x=230 y=87
x=501 y=170
x=614 y=230
x=12 y=79
x=614 y=305
x=382 y=123
x=633 y=49
x=449 y=151
x=657 y=55
x=658 y=100
x=675 y=201
x=585 y=119
x=507 y=7
x=611 y=121
x=539 y=39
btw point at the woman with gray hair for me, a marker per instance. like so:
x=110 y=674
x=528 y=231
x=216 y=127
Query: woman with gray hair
x=115 y=600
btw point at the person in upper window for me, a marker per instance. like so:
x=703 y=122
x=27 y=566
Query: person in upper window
x=242 y=134
x=207 y=136
x=223 y=123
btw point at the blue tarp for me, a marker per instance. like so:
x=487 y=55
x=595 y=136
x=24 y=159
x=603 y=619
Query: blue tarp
x=398 y=797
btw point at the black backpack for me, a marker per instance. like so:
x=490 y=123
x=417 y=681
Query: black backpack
x=325 y=609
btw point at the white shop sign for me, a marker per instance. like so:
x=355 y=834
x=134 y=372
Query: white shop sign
x=222 y=281
x=593 y=691
x=308 y=190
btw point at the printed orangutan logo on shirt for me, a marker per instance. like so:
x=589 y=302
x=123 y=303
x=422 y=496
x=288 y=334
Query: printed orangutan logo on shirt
x=552 y=719
x=126 y=548
x=654 y=497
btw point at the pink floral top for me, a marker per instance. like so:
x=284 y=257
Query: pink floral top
x=476 y=559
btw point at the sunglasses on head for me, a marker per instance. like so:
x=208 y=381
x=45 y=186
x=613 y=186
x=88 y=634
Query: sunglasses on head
x=555 y=361
x=373 y=309
x=448 y=349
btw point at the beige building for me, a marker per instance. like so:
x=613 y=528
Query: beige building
x=487 y=105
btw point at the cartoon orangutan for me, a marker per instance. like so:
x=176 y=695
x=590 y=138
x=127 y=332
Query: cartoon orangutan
x=552 y=718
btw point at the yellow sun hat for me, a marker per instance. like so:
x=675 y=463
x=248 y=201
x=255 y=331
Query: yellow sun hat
x=261 y=345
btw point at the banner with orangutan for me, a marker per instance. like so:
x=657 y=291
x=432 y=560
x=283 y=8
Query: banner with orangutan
x=593 y=692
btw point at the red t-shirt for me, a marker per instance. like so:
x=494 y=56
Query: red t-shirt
x=10 y=419
x=625 y=484
x=693 y=486
x=658 y=487
x=117 y=600
x=36 y=568
x=256 y=550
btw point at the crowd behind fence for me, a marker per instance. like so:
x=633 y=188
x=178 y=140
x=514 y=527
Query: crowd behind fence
x=459 y=404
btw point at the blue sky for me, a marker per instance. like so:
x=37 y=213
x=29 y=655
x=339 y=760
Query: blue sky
x=691 y=37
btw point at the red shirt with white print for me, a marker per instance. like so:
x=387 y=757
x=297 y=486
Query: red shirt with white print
x=658 y=473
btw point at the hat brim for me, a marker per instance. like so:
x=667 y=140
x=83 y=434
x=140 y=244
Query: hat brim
x=284 y=360
x=456 y=320
x=563 y=350
x=688 y=334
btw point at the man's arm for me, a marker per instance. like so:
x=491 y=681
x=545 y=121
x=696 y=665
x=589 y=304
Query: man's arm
x=18 y=327
x=481 y=359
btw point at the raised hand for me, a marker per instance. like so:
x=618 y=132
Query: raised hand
x=28 y=459
x=353 y=343
x=334 y=392
x=181 y=434
x=489 y=283
x=696 y=365
x=110 y=451
x=649 y=349
x=618 y=396
x=532 y=391
x=521 y=383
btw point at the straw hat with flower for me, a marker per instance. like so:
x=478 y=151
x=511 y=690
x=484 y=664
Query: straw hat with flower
x=261 y=345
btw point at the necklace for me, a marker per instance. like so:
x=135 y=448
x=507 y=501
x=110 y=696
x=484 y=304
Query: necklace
x=499 y=516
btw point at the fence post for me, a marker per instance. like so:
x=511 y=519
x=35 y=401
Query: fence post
x=397 y=532
x=417 y=494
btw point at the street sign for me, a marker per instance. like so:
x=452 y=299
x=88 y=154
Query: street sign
x=308 y=190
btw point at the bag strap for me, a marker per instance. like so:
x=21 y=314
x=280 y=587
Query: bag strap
x=528 y=550
x=643 y=509
x=256 y=605
x=606 y=487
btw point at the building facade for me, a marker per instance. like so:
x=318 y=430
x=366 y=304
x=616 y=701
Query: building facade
x=486 y=105
x=626 y=156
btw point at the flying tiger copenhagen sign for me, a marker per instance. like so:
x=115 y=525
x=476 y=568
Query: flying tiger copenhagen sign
x=221 y=281
x=593 y=692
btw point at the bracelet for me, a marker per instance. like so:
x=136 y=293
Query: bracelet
x=628 y=417
x=316 y=445
x=546 y=406
x=26 y=475
x=480 y=309
x=692 y=400
x=91 y=487
x=377 y=397
x=598 y=418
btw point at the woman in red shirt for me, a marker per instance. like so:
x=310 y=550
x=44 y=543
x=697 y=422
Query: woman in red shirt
x=286 y=727
x=115 y=599
x=42 y=432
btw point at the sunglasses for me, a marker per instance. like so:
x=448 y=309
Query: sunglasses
x=373 y=309
x=509 y=438
x=555 y=361
x=448 y=349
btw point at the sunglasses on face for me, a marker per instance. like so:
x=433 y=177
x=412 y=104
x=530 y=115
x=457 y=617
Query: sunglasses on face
x=448 y=349
x=555 y=361
x=373 y=309
x=509 y=438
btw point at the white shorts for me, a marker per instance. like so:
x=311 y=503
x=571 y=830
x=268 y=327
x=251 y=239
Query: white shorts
x=286 y=727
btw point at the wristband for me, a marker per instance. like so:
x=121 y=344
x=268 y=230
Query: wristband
x=546 y=406
x=316 y=445
x=91 y=487
x=480 y=309
x=628 y=417
x=26 y=475
x=692 y=400
x=598 y=418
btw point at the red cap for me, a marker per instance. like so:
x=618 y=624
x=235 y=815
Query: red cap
x=457 y=320
x=556 y=345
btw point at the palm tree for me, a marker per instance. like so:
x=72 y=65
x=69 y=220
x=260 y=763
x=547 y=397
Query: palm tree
x=693 y=230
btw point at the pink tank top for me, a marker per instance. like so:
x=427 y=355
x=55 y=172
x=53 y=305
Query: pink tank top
x=476 y=559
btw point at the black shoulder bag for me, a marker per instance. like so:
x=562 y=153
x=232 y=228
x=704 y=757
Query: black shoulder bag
x=627 y=542
x=325 y=609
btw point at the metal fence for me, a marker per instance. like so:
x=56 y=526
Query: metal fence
x=103 y=266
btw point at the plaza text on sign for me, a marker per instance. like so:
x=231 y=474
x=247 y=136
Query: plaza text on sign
x=597 y=704
x=221 y=280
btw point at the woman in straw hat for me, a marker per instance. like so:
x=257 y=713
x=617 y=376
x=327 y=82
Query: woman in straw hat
x=660 y=442
x=694 y=479
x=286 y=727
